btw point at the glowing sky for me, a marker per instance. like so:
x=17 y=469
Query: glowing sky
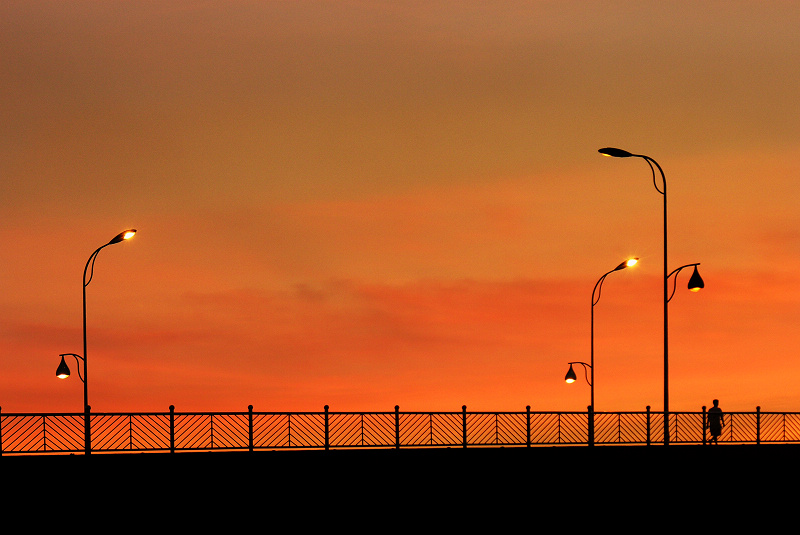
x=367 y=204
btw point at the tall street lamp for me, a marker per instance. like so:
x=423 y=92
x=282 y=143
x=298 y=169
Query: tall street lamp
x=662 y=189
x=63 y=370
x=588 y=368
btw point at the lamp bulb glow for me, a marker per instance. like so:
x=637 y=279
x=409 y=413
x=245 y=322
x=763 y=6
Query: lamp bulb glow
x=63 y=370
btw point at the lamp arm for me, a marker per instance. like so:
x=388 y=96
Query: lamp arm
x=675 y=279
x=662 y=190
x=77 y=363
x=90 y=263
x=586 y=368
x=598 y=287
x=90 y=266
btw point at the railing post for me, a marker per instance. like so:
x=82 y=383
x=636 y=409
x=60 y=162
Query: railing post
x=172 y=428
x=397 y=427
x=558 y=427
x=590 y=413
x=758 y=425
x=648 y=425
x=250 y=427
x=87 y=428
x=464 y=425
x=211 y=422
x=528 y=436
x=327 y=430
x=705 y=424
x=1 y=431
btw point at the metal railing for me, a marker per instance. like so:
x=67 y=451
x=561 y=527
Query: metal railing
x=250 y=431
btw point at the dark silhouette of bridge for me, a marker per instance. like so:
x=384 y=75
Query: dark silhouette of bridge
x=386 y=488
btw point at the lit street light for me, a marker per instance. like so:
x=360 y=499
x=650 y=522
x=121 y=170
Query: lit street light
x=588 y=368
x=63 y=370
x=662 y=189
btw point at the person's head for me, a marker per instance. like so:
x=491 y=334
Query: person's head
x=716 y=402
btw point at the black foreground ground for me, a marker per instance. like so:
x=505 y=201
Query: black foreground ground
x=629 y=488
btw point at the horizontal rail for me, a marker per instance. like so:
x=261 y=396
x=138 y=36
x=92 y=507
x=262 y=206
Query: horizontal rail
x=48 y=433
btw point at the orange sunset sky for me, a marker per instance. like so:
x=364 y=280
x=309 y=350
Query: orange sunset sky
x=375 y=203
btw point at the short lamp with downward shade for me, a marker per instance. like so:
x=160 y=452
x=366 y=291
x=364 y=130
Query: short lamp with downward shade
x=570 y=377
x=696 y=281
x=62 y=372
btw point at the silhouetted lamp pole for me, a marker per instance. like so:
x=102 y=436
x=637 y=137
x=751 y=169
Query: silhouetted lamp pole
x=588 y=368
x=63 y=370
x=619 y=153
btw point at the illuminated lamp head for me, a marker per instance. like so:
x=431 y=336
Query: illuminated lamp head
x=62 y=372
x=615 y=153
x=570 y=377
x=696 y=281
x=122 y=236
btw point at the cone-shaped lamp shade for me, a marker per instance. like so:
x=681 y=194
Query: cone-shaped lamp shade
x=696 y=281
x=62 y=372
x=616 y=153
x=570 y=377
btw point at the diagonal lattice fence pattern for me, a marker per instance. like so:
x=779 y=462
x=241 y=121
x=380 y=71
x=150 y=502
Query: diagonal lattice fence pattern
x=780 y=427
x=621 y=428
x=43 y=433
x=362 y=429
x=183 y=431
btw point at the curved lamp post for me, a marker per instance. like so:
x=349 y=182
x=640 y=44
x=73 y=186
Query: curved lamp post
x=662 y=189
x=63 y=370
x=588 y=368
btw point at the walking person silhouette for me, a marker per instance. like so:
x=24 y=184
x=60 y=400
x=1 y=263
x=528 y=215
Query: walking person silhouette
x=716 y=421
